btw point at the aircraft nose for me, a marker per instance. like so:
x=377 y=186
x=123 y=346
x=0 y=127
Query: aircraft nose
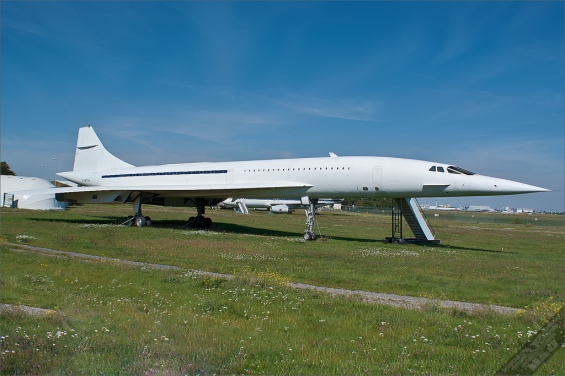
x=486 y=185
x=514 y=187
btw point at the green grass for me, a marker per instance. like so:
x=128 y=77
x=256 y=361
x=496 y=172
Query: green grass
x=119 y=320
x=537 y=219
x=511 y=265
x=114 y=319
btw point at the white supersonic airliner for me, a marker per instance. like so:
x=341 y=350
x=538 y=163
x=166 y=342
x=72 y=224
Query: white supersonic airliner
x=103 y=178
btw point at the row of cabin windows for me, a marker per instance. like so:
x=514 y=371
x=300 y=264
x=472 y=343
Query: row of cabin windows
x=452 y=170
x=304 y=169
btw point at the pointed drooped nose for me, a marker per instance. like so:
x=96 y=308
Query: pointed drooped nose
x=479 y=185
x=514 y=187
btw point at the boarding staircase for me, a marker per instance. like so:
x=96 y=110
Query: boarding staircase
x=410 y=210
x=242 y=207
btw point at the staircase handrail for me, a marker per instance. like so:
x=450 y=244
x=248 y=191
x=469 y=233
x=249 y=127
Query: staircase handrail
x=425 y=218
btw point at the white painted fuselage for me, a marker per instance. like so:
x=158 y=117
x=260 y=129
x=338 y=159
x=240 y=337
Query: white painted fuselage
x=313 y=177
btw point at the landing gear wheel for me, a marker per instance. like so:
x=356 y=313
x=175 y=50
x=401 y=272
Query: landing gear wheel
x=207 y=222
x=140 y=221
x=192 y=222
x=200 y=222
x=148 y=221
x=129 y=221
x=309 y=236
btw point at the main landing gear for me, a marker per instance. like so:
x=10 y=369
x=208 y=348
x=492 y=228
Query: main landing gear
x=138 y=219
x=200 y=221
x=309 y=205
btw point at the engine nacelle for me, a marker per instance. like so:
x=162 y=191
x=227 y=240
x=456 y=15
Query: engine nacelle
x=279 y=209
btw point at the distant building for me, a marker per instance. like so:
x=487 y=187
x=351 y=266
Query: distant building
x=479 y=208
x=10 y=184
x=439 y=207
x=524 y=210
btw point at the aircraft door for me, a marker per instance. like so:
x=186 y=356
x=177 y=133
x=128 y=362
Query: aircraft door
x=377 y=178
x=229 y=176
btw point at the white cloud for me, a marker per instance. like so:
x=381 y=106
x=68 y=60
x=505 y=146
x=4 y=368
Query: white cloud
x=333 y=108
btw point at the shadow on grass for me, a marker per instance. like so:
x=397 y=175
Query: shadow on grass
x=98 y=220
x=455 y=247
x=242 y=229
x=182 y=225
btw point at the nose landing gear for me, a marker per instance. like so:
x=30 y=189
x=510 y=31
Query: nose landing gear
x=309 y=205
x=309 y=236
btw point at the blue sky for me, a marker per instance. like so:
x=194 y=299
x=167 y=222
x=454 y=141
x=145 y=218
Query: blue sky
x=479 y=85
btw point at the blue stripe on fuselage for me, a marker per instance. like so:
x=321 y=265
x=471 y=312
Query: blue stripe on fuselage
x=166 y=173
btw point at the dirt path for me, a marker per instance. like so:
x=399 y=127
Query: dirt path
x=369 y=297
x=32 y=311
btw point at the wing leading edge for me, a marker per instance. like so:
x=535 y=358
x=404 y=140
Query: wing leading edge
x=98 y=194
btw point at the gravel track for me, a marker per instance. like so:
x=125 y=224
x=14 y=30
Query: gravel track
x=32 y=311
x=394 y=300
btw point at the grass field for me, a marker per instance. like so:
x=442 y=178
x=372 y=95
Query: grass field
x=116 y=319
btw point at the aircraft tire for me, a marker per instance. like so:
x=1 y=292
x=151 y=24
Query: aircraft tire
x=207 y=222
x=192 y=222
x=129 y=221
x=200 y=222
x=148 y=221
x=312 y=236
x=140 y=222
x=307 y=236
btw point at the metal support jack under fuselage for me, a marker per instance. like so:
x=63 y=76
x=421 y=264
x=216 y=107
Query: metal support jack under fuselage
x=309 y=205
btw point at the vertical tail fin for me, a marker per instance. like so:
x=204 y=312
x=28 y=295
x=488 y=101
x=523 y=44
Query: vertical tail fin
x=90 y=154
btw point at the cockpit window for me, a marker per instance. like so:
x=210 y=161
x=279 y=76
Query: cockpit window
x=459 y=170
x=433 y=168
x=440 y=169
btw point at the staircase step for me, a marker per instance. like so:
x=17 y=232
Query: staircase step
x=415 y=221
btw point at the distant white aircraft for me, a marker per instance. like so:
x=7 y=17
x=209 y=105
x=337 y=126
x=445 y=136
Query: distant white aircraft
x=440 y=207
x=103 y=178
x=274 y=205
x=444 y=208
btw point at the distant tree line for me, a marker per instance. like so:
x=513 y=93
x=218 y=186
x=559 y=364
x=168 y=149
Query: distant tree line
x=6 y=170
x=368 y=202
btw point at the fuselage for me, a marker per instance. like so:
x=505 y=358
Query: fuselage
x=322 y=177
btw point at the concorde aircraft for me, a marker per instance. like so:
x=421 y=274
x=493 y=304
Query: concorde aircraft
x=103 y=178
